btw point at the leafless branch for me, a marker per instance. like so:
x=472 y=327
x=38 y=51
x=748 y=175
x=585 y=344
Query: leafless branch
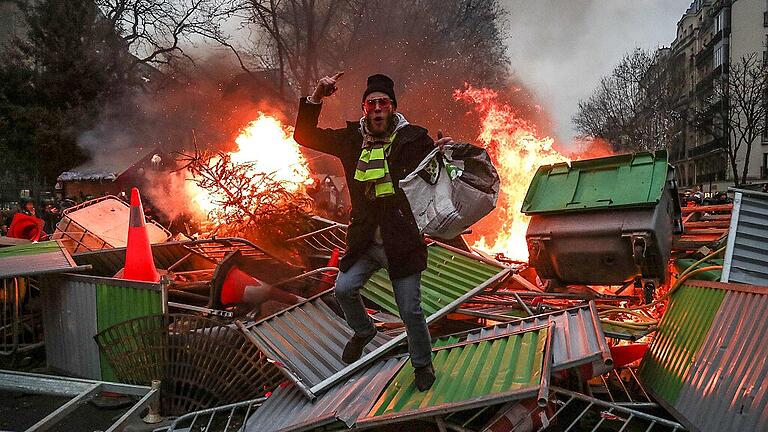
x=247 y=202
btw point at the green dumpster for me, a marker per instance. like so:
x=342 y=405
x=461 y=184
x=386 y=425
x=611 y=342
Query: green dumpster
x=603 y=221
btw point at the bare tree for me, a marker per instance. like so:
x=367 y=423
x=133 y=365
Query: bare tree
x=631 y=107
x=423 y=38
x=736 y=111
x=153 y=30
x=295 y=34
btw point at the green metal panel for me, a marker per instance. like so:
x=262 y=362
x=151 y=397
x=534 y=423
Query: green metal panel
x=115 y=304
x=681 y=332
x=468 y=372
x=628 y=180
x=30 y=249
x=448 y=276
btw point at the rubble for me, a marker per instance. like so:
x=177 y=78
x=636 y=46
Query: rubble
x=512 y=352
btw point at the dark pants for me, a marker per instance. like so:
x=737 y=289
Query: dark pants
x=407 y=295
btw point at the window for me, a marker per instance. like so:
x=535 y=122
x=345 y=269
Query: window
x=719 y=22
x=718 y=58
x=764 y=168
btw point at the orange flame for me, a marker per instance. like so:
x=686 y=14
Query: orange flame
x=269 y=146
x=517 y=151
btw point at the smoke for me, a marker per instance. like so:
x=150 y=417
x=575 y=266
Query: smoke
x=203 y=107
x=555 y=58
x=560 y=49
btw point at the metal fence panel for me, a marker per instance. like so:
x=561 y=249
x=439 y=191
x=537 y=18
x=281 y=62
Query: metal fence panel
x=746 y=257
x=449 y=274
x=726 y=388
x=35 y=259
x=289 y=409
x=515 y=367
x=69 y=319
x=308 y=340
x=577 y=339
x=77 y=307
x=707 y=364
x=681 y=332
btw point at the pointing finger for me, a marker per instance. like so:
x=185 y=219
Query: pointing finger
x=337 y=76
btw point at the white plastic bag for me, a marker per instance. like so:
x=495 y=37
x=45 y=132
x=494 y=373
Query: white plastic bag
x=449 y=192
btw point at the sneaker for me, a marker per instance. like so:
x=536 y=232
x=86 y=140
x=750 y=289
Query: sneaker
x=354 y=348
x=425 y=377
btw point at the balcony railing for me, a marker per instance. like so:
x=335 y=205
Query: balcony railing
x=715 y=144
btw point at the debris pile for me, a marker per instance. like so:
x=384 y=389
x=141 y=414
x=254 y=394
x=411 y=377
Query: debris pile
x=620 y=322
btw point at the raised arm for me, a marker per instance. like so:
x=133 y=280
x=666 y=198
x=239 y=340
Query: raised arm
x=307 y=133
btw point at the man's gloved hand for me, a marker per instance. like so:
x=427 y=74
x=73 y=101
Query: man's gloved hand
x=442 y=142
x=326 y=86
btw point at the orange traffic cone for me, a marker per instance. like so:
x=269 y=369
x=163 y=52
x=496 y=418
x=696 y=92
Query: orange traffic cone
x=231 y=286
x=139 y=264
x=329 y=277
x=626 y=354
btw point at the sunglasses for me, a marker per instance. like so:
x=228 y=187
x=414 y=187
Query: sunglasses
x=383 y=103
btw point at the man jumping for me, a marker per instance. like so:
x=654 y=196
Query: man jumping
x=377 y=152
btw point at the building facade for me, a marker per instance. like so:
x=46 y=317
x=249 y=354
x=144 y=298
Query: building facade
x=712 y=34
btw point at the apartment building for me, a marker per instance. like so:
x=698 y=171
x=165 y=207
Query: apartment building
x=712 y=34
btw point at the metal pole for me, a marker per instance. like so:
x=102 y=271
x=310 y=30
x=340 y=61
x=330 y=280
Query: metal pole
x=153 y=416
x=164 y=283
x=522 y=303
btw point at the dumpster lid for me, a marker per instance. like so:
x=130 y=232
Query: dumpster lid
x=36 y=258
x=628 y=180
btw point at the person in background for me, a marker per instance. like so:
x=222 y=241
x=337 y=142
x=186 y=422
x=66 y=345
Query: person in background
x=28 y=207
x=51 y=216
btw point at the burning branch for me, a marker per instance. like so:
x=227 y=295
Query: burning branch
x=247 y=203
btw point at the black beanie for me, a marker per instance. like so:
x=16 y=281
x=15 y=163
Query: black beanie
x=381 y=83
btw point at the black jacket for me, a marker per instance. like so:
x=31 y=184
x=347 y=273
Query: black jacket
x=403 y=245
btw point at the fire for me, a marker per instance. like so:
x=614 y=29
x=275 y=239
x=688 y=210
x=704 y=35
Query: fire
x=268 y=146
x=517 y=151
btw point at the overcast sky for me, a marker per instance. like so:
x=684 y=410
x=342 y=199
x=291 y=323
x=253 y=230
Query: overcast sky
x=561 y=48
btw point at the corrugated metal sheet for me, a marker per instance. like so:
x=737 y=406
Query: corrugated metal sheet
x=449 y=275
x=746 y=257
x=515 y=367
x=369 y=358
x=108 y=262
x=77 y=307
x=681 y=332
x=577 y=338
x=116 y=303
x=69 y=321
x=289 y=409
x=724 y=386
x=34 y=259
x=308 y=340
